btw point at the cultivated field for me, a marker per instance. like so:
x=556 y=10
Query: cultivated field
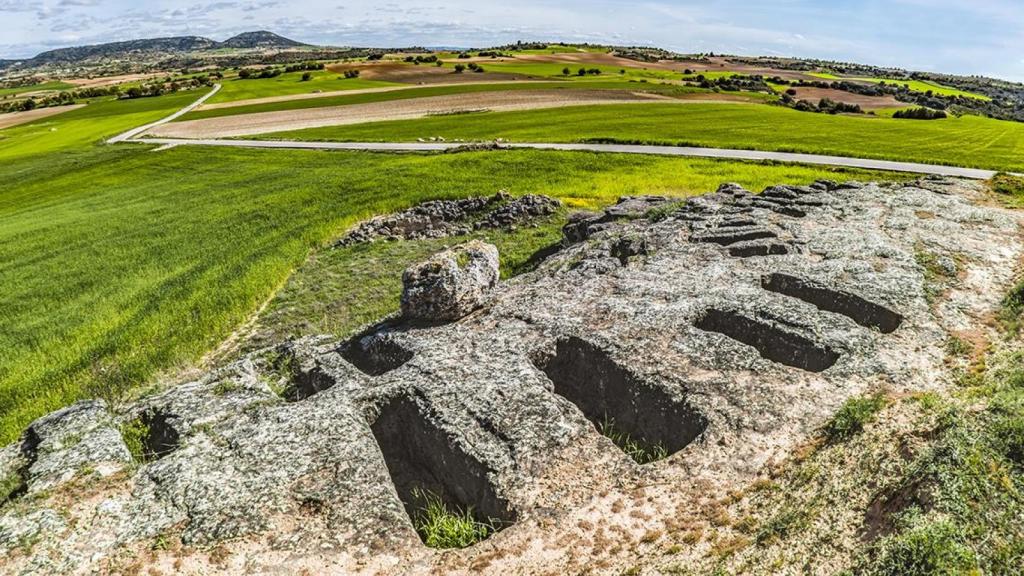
x=291 y=83
x=15 y=118
x=262 y=123
x=970 y=141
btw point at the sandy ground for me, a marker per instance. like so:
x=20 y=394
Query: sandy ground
x=16 y=118
x=503 y=101
x=865 y=102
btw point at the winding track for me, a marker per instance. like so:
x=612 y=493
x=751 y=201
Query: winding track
x=132 y=136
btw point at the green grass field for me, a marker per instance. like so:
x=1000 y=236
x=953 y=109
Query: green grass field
x=119 y=264
x=915 y=85
x=4 y=92
x=968 y=141
x=233 y=88
x=428 y=91
x=89 y=125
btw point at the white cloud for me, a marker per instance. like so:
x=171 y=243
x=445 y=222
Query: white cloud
x=956 y=37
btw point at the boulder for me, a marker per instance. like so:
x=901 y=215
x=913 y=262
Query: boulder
x=82 y=437
x=451 y=284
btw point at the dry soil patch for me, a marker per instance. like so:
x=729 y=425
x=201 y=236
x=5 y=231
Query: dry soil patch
x=264 y=122
x=15 y=118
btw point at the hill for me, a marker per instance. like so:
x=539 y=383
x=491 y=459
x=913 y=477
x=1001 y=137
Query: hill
x=121 y=50
x=260 y=39
x=147 y=50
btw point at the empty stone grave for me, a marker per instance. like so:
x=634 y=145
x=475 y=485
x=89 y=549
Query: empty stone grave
x=613 y=398
x=771 y=341
x=858 y=309
x=424 y=462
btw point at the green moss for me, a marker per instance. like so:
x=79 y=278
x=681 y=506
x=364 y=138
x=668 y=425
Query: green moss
x=852 y=416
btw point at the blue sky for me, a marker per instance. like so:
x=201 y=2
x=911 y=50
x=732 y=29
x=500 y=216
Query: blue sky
x=967 y=37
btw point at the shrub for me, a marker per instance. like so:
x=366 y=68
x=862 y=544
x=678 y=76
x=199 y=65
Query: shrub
x=581 y=72
x=244 y=73
x=351 y=73
x=852 y=416
x=566 y=71
x=307 y=76
x=920 y=114
x=460 y=68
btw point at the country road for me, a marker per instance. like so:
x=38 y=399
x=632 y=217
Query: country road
x=133 y=136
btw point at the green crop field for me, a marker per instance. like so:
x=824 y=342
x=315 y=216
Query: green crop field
x=88 y=125
x=4 y=92
x=120 y=264
x=428 y=91
x=234 y=88
x=915 y=85
x=968 y=141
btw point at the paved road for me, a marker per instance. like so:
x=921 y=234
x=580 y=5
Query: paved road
x=613 y=148
x=755 y=155
x=131 y=134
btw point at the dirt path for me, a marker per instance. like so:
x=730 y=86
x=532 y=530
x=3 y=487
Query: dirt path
x=135 y=132
x=15 y=118
x=500 y=101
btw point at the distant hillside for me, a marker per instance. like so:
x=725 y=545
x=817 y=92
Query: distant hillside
x=259 y=39
x=148 y=49
x=127 y=49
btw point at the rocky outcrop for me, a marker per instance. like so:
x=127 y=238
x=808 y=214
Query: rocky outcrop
x=451 y=284
x=445 y=218
x=706 y=339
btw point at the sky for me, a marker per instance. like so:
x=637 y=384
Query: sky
x=984 y=37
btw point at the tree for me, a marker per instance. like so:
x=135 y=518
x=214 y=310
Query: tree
x=581 y=72
x=566 y=71
x=460 y=68
x=244 y=73
x=307 y=76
